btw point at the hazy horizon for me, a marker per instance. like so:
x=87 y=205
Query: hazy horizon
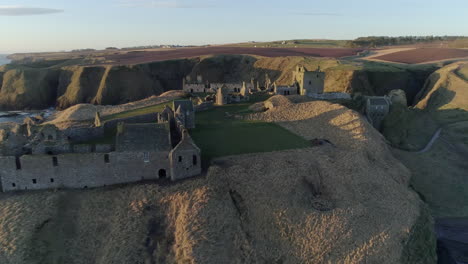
x=54 y=25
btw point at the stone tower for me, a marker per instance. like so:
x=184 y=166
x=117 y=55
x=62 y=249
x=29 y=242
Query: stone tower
x=222 y=95
x=97 y=120
x=185 y=158
x=243 y=90
x=309 y=82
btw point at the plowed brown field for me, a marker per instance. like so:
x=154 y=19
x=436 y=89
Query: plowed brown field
x=136 y=57
x=424 y=55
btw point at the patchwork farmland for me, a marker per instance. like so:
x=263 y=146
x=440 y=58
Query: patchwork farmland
x=137 y=57
x=424 y=55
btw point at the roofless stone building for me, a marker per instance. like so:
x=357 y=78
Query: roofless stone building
x=159 y=150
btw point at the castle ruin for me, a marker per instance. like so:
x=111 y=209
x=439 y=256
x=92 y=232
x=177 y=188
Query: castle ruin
x=162 y=149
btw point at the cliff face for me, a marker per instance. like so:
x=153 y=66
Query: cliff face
x=441 y=101
x=28 y=88
x=36 y=86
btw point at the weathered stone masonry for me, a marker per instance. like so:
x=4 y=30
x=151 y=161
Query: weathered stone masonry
x=150 y=151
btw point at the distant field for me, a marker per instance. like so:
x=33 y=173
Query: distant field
x=423 y=55
x=160 y=55
x=219 y=136
x=300 y=43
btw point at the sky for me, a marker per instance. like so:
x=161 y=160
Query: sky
x=53 y=25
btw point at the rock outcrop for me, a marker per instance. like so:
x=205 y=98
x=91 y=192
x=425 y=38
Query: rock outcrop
x=44 y=85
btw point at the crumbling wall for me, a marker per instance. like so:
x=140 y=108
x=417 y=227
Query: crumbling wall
x=35 y=172
x=204 y=106
x=146 y=118
x=81 y=134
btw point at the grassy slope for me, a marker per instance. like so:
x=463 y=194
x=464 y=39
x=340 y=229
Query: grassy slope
x=439 y=175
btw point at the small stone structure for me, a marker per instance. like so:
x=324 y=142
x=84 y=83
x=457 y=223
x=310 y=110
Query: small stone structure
x=97 y=120
x=377 y=108
x=309 y=82
x=331 y=96
x=162 y=149
x=185 y=112
x=195 y=87
x=222 y=95
x=284 y=90
x=199 y=86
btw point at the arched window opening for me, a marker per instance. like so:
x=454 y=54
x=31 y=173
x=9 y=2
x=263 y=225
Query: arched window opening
x=162 y=174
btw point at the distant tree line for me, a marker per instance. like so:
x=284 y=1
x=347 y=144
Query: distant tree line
x=378 y=41
x=83 y=50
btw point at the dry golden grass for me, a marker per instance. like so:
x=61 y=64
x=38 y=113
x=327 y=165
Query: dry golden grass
x=347 y=203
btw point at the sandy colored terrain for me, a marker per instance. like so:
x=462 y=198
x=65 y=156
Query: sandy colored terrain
x=424 y=55
x=87 y=112
x=343 y=203
x=380 y=52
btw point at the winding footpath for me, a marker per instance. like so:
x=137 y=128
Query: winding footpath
x=431 y=142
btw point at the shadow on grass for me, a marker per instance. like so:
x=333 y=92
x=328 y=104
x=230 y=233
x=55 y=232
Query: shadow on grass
x=219 y=134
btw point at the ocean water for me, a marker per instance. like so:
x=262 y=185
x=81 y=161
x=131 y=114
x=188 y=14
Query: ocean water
x=19 y=116
x=3 y=59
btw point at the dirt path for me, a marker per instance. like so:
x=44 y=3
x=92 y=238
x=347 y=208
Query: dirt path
x=431 y=142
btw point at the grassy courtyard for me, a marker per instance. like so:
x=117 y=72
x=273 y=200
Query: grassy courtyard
x=218 y=135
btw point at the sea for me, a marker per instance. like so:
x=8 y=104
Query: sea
x=3 y=59
x=19 y=116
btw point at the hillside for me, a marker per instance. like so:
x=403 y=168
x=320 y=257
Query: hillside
x=41 y=85
x=343 y=203
x=443 y=103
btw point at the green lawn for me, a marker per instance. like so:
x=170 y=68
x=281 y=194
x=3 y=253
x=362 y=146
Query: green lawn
x=140 y=111
x=218 y=135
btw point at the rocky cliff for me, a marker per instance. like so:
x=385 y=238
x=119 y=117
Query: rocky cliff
x=46 y=84
x=441 y=101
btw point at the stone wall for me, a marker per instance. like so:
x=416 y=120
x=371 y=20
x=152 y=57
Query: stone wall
x=203 y=106
x=195 y=88
x=330 y=96
x=230 y=87
x=147 y=118
x=285 y=90
x=34 y=172
x=81 y=134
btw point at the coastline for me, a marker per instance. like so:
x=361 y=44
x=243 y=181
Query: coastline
x=4 y=59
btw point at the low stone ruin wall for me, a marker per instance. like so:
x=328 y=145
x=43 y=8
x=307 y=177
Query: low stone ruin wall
x=82 y=134
x=35 y=172
x=330 y=96
x=146 y=118
x=204 y=106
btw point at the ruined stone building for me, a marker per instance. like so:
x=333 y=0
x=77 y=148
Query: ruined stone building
x=309 y=82
x=162 y=149
x=185 y=112
x=284 y=90
x=199 y=86
x=377 y=108
x=222 y=96
x=196 y=86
